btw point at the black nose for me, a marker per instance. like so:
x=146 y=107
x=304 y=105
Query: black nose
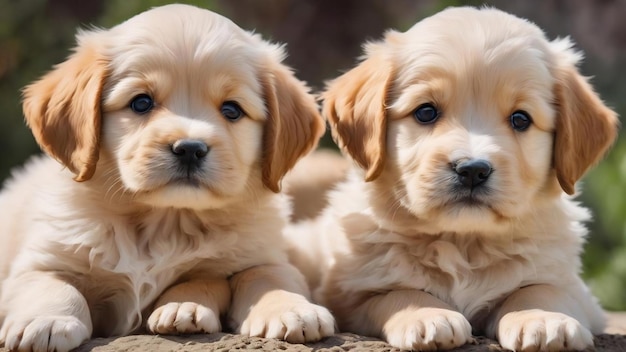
x=190 y=152
x=472 y=172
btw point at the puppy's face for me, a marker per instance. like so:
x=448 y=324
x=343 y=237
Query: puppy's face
x=475 y=120
x=194 y=110
x=184 y=110
x=470 y=129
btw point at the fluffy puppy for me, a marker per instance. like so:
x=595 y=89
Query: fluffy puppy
x=168 y=136
x=468 y=133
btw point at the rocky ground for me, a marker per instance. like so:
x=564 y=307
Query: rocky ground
x=341 y=342
x=613 y=341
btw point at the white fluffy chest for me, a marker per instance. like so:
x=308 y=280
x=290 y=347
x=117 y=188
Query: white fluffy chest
x=471 y=275
x=152 y=251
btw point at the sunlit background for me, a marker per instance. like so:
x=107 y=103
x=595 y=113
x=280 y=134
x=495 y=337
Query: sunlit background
x=323 y=39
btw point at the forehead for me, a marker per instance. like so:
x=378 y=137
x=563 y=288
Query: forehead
x=201 y=54
x=180 y=37
x=478 y=61
x=148 y=39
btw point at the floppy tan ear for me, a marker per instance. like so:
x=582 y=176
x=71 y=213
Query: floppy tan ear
x=63 y=111
x=585 y=127
x=293 y=128
x=354 y=105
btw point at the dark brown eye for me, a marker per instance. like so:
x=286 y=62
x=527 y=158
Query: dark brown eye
x=141 y=104
x=426 y=114
x=520 y=120
x=231 y=111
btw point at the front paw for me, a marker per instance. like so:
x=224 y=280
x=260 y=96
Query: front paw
x=537 y=330
x=183 y=318
x=44 y=333
x=288 y=317
x=427 y=329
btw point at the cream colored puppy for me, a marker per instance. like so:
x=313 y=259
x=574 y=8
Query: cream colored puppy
x=468 y=133
x=171 y=133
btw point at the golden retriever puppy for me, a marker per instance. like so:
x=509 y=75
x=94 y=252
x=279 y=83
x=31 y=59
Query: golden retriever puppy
x=468 y=133
x=168 y=137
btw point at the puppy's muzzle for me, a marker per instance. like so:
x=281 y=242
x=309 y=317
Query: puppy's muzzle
x=472 y=173
x=190 y=153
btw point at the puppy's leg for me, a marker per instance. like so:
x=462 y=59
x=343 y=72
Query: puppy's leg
x=411 y=319
x=43 y=313
x=542 y=318
x=273 y=301
x=191 y=307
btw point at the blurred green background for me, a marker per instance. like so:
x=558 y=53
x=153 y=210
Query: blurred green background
x=323 y=38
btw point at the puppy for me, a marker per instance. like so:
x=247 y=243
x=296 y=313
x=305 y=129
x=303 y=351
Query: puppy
x=168 y=136
x=468 y=133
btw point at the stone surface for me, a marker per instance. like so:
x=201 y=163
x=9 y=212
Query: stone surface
x=613 y=341
x=342 y=342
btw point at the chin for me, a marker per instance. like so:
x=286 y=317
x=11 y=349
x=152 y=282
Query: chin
x=471 y=219
x=195 y=197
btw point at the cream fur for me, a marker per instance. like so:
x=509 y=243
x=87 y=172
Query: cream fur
x=405 y=256
x=135 y=242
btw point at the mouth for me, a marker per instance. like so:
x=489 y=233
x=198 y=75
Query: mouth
x=186 y=176
x=474 y=201
x=471 y=201
x=188 y=181
x=477 y=198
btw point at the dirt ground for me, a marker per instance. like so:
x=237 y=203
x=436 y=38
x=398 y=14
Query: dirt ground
x=613 y=341
x=341 y=342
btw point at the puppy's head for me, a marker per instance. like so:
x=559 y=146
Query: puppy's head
x=468 y=119
x=177 y=106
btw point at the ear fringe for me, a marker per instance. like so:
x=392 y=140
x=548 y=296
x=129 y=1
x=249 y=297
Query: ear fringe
x=63 y=111
x=585 y=127
x=355 y=107
x=293 y=128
